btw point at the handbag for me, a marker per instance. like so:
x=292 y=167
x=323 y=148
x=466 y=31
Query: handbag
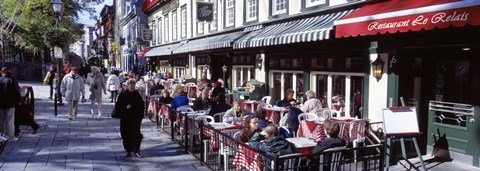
x=115 y=114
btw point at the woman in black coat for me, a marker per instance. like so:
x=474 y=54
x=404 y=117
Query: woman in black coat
x=130 y=106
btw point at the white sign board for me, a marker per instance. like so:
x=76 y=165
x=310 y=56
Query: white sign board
x=400 y=121
x=57 y=52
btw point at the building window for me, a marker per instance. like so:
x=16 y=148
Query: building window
x=183 y=13
x=213 y=24
x=279 y=7
x=153 y=25
x=174 y=25
x=251 y=10
x=166 y=27
x=200 y=27
x=311 y=3
x=159 y=31
x=230 y=13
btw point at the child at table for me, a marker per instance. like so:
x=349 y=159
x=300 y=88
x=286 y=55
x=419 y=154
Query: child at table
x=236 y=113
x=332 y=129
x=250 y=127
x=261 y=114
x=271 y=143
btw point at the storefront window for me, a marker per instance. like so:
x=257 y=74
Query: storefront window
x=242 y=74
x=321 y=88
x=453 y=82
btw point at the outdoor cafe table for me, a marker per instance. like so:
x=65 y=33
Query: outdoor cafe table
x=190 y=90
x=251 y=160
x=220 y=126
x=304 y=145
x=313 y=129
x=273 y=114
x=250 y=105
x=248 y=159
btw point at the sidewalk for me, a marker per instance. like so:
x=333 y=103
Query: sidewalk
x=88 y=144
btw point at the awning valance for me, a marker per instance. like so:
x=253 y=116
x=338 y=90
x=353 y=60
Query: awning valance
x=163 y=50
x=207 y=43
x=301 y=30
x=142 y=52
x=404 y=15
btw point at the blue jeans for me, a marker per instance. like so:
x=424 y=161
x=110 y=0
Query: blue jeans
x=51 y=90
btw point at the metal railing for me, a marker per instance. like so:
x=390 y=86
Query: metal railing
x=239 y=156
x=455 y=114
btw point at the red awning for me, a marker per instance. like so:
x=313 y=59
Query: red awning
x=146 y=5
x=142 y=52
x=404 y=15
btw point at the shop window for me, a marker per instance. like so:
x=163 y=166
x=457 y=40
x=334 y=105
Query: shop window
x=282 y=63
x=242 y=74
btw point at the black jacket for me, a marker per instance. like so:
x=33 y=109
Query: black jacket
x=274 y=146
x=9 y=92
x=330 y=142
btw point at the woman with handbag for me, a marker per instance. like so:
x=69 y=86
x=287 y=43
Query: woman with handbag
x=97 y=85
x=129 y=107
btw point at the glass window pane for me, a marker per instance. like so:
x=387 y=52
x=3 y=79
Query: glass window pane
x=321 y=89
x=299 y=89
x=338 y=92
x=356 y=87
x=277 y=84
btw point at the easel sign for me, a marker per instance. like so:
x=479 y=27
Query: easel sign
x=400 y=121
x=401 y=124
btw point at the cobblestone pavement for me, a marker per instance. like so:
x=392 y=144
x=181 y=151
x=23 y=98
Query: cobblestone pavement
x=86 y=143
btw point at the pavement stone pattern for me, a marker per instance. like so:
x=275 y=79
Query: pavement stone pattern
x=88 y=144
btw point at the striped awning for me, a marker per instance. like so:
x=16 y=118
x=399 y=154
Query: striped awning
x=163 y=50
x=207 y=43
x=303 y=30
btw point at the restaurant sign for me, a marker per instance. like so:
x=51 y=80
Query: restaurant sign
x=402 y=23
x=204 y=11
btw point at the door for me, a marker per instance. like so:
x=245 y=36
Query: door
x=340 y=91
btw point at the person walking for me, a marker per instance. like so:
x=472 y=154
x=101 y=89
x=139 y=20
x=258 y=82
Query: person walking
x=130 y=106
x=113 y=83
x=72 y=88
x=97 y=85
x=49 y=80
x=10 y=93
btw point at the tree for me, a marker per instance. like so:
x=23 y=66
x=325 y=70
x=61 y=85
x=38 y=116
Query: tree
x=32 y=19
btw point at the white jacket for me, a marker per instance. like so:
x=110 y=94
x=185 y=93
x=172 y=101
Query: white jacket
x=72 y=88
x=113 y=83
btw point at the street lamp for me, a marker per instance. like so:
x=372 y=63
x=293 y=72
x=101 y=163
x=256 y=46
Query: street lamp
x=57 y=9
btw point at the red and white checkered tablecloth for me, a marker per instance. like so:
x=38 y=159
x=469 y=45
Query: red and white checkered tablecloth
x=247 y=159
x=250 y=105
x=220 y=126
x=273 y=115
x=165 y=111
x=311 y=130
x=152 y=107
x=315 y=131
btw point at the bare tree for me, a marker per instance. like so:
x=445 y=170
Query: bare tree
x=8 y=25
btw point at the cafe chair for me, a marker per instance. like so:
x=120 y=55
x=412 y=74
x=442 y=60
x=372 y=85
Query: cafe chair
x=264 y=106
x=190 y=84
x=205 y=120
x=267 y=99
x=291 y=162
x=330 y=113
x=309 y=116
x=185 y=109
x=331 y=159
x=283 y=118
x=218 y=115
x=227 y=146
x=182 y=110
x=357 y=134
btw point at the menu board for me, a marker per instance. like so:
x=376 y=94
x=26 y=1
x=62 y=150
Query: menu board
x=397 y=121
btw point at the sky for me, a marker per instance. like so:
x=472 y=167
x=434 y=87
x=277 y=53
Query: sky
x=85 y=18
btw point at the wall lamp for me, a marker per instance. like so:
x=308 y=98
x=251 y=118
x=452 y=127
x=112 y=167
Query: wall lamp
x=259 y=63
x=377 y=68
